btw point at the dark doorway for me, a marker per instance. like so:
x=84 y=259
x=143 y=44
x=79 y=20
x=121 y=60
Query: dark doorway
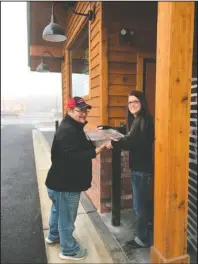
x=149 y=80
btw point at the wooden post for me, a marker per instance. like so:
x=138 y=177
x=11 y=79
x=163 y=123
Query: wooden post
x=66 y=79
x=103 y=66
x=172 y=121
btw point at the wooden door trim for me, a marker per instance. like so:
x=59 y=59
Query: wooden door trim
x=140 y=67
x=145 y=61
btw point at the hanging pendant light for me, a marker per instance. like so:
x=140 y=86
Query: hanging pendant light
x=42 y=67
x=53 y=32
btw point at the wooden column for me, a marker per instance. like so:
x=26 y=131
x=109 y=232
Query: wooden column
x=66 y=80
x=103 y=66
x=172 y=120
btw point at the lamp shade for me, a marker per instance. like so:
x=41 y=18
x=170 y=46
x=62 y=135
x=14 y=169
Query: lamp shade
x=53 y=33
x=42 y=67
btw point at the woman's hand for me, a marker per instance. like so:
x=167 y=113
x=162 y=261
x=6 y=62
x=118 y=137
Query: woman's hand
x=99 y=149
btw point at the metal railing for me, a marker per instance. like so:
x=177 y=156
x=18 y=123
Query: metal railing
x=192 y=181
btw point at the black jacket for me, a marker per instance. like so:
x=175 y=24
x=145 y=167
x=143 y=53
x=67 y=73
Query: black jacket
x=139 y=141
x=71 y=156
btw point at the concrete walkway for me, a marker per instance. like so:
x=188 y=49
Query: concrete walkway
x=85 y=231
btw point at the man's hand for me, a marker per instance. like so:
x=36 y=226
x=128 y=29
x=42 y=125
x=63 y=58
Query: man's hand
x=99 y=149
x=109 y=145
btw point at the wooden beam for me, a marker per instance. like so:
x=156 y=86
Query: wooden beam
x=37 y=50
x=172 y=121
x=103 y=67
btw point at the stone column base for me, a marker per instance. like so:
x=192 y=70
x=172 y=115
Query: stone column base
x=100 y=192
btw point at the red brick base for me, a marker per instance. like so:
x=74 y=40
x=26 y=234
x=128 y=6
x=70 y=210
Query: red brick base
x=100 y=192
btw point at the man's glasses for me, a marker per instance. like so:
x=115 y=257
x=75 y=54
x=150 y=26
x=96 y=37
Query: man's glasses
x=82 y=111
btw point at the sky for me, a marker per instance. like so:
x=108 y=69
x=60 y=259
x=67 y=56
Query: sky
x=16 y=78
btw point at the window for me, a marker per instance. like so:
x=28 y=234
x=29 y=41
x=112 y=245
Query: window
x=80 y=64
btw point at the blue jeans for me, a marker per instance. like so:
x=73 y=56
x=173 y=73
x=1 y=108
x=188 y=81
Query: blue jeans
x=62 y=218
x=141 y=184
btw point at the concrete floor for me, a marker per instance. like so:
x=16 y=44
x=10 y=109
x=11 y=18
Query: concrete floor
x=125 y=232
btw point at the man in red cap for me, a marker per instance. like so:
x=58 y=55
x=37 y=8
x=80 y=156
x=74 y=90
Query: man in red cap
x=69 y=174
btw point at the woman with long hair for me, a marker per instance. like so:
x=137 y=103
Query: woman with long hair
x=139 y=141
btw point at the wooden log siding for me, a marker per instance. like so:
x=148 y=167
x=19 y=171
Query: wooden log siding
x=112 y=66
x=122 y=58
x=74 y=25
x=192 y=181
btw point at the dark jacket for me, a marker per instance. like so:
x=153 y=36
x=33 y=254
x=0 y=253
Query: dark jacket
x=71 y=156
x=139 y=141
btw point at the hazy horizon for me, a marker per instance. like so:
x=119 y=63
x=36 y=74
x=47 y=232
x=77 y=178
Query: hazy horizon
x=17 y=81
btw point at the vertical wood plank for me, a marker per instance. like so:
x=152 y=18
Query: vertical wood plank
x=67 y=79
x=62 y=88
x=139 y=76
x=103 y=67
x=173 y=82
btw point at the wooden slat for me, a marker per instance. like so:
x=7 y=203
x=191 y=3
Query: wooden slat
x=77 y=25
x=95 y=92
x=118 y=101
x=95 y=72
x=122 y=79
x=75 y=19
x=117 y=111
x=119 y=56
x=121 y=90
x=79 y=8
x=94 y=102
x=95 y=41
x=122 y=68
x=95 y=111
x=95 y=22
x=95 y=30
x=95 y=51
x=95 y=61
x=95 y=82
x=172 y=118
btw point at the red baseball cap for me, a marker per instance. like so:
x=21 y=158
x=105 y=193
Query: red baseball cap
x=77 y=102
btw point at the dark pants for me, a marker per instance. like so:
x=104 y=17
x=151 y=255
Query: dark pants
x=142 y=205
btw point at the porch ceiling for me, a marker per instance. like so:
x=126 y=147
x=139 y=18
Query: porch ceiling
x=38 y=16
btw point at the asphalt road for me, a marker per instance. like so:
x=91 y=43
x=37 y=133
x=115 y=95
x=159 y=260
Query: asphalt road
x=21 y=226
